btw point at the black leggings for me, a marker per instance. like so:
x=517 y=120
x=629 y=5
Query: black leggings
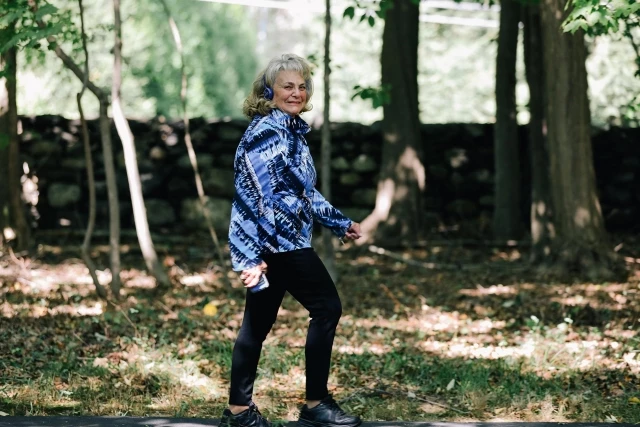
x=304 y=276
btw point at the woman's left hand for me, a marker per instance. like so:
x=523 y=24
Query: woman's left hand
x=353 y=232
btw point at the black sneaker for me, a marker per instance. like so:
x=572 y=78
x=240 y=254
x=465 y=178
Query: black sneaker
x=248 y=418
x=327 y=414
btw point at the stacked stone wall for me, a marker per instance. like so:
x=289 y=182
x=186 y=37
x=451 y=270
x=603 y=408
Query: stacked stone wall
x=458 y=160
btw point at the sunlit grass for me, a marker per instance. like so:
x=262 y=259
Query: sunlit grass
x=410 y=346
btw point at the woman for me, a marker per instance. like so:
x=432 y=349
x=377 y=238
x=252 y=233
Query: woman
x=271 y=222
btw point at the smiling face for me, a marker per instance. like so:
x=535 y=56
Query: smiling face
x=290 y=92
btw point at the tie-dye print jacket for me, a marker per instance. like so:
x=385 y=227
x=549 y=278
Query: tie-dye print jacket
x=275 y=201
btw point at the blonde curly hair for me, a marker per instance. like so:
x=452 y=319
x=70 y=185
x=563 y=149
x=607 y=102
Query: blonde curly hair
x=256 y=103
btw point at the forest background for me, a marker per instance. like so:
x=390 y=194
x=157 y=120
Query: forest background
x=530 y=319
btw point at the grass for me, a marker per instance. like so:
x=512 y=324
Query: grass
x=412 y=344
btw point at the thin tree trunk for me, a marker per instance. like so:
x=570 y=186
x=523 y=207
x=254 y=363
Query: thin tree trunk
x=131 y=163
x=112 y=195
x=16 y=205
x=542 y=231
x=507 y=219
x=91 y=182
x=107 y=151
x=581 y=244
x=187 y=136
x=398 y=215
x=325 y=164
x=4 y=155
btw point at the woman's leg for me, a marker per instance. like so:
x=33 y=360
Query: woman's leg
x=315 y=290
x=313 y=287
x=261 y=310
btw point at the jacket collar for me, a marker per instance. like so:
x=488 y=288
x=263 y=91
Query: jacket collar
x=295 y=123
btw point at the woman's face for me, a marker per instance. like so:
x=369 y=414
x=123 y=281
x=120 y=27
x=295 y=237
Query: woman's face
x=290 y=92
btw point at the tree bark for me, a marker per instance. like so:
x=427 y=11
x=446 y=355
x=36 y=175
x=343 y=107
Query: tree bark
x=133 y=175
x=581 y=244
x=507 y=218
x=398 y=215
x=112 y=196
x=4 y=156
x=325 y=164
x=17 y=212
x=85 y=249
x=542 y=231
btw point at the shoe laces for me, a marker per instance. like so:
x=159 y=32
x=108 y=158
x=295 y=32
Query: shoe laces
x=331 y=403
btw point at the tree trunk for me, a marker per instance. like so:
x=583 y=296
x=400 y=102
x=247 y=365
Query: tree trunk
x=17 y=212
x=85 y=249
x=542 y=231
x=4 y=156
x=581 y=245
x=112 y=196
x=507 y=218
x=325 y=164
x=398 y=215
x=131 y=164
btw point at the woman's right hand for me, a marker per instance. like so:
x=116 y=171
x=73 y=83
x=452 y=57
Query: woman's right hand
x=251 y=276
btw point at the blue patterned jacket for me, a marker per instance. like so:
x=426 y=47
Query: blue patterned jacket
x=275 y=201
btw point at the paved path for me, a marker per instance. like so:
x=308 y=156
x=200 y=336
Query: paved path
x=201 y=422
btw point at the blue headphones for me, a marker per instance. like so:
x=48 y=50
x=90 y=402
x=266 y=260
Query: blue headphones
x=268 y=92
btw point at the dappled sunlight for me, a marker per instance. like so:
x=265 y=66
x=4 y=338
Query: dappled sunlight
x=491 y=290
x=582 y=217
x=410 y=160
x=31 y=310
x=401 y=327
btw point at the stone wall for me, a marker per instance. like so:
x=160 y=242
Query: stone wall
x=458 y=159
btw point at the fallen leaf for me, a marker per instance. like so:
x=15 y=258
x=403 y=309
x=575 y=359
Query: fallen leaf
x=3 y=414
x=428 y=408
x=210 y=309
x=451 y=384
x=634 y=400
x=411 y=395
x=100 y=362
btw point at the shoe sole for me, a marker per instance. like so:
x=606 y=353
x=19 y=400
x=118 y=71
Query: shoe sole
x=307 y=423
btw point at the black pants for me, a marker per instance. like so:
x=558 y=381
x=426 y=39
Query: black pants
x=304 y=276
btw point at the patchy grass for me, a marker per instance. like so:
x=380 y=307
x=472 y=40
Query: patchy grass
x=490 y=343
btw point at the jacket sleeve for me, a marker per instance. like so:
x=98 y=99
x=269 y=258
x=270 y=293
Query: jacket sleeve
x=252 y=227
x=327 y=215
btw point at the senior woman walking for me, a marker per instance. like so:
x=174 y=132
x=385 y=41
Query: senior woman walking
x=273 y=210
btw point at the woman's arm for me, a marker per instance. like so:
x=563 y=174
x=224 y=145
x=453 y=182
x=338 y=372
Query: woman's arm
x=327 y=215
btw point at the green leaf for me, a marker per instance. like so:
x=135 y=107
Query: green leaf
x=9 y=18
x=573 y=26
x=372 y=21
x=47 y=9
x=349 y=12
x=593 y=18
x=13 y=41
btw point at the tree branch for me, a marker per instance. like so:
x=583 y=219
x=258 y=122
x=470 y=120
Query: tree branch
x=66 y=59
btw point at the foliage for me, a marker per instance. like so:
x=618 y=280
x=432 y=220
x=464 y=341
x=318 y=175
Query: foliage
x=370 y=10
x=19 y=25
x=219 y=60
x=379 y=96
x=597 y=17
x=223 y=53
